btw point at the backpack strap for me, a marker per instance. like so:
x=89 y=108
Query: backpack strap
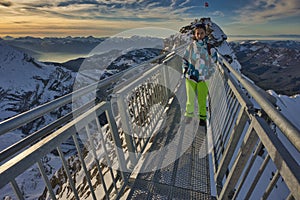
x=208 y=48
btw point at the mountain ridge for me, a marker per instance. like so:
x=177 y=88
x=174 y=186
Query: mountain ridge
x=271 y=64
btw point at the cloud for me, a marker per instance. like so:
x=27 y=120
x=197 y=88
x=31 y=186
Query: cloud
x=262 y=11
x=113 y=10
x=136 y=10
x=217 y=14
x=5 y=3
x=101 y=15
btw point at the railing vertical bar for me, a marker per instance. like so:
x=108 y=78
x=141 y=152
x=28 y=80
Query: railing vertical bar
x=137 y=116
x=290 y=197
x=232 y=120
x=282 y=158
x=151 y=102
x=244 y=153
x=226 y=126
x=288 y=129
x=133 y=120
x=147 y=107
x=233 y=141
x=221 y=122
x=128 y=134
x=140 y=115
x=87 y=173
x=271 y=185
x=231 y=105
x=221 y=113
x=142 y=129
x=154 y=96
x=158 y=95
x=166 y=78
x=257 y=177
x=46 y=180
x=105 y=154
x=118 y=144
x=97 y=163
x=246 y=173
x=215 y=117
x=17 y=189
x=65 y=165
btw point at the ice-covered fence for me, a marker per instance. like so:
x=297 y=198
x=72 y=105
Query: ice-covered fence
x=141 y=101
x=89 y=166
x=244 y=142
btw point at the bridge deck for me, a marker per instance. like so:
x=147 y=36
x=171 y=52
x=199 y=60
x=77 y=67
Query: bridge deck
x=180 y=169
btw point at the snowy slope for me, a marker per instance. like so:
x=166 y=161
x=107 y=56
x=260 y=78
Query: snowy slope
x=26 y=83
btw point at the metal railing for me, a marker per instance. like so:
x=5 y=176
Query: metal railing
x=242 y=132
x=90 y=157
x=141 y=103
x=101 y=154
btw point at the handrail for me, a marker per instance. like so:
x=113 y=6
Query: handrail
x=242 y=132
x=21 y=119
x=288 y=129
x=30 y=139
x=64 y=128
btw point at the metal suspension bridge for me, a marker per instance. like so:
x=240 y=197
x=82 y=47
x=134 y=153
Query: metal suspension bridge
x=136 y=144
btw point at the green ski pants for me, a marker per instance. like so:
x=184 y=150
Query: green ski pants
x=193 y=88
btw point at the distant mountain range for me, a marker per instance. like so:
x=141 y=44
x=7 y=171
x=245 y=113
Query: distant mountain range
x=271 y=64
x=296 y=36
x=26 y=82
x=55 y=49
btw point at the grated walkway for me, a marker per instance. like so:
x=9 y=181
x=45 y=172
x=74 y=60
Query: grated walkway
x=181 y=171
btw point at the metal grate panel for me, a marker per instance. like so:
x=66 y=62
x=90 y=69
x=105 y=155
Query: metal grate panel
x=186 y=178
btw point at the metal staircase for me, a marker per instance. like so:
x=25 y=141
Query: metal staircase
x=135 y=144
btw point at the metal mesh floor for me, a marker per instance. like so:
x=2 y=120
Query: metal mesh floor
x=187 y=177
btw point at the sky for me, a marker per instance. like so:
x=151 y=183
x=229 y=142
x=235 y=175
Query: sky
x=99 y=18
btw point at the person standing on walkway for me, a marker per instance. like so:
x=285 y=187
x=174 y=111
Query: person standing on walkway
x=196 y=69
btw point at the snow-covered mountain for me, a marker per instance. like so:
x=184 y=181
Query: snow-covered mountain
x=262 y=60
x=49 y=48
x=26 y=83
x=55 y=49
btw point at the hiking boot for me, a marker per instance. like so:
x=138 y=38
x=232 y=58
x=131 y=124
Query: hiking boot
x=202 y=122
x=188 y=120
